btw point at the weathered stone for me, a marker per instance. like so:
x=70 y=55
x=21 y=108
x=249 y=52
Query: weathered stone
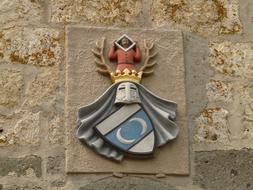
x=34 y=46
x=11 y=84
x=84 y=85
x=124 y=11
x=12 y=187
x=212 y=125
x=55 y=165
x=160 y=175
x=219 y=91
x=22 y=187
x=117 y=174
x=30 y=173
x=58 y=183
x=26 y=130
x=233 y=59
x=227 y=170
x=6 y=123
x=56 y=131
x=204 y=17
x=128 y=183
x=246 y=94
x=20 y=128
x=43 y=88
x=19 y=166
x=197 y=74
x=19 y=11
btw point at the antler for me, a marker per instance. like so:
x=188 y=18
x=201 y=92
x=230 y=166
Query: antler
x=146 y=69
x=103 y=68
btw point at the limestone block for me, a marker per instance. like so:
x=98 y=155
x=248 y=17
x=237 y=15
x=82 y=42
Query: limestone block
x=11 y=84
x=204 y=17
x=43 y=88
x=26 y=130
x=233 y=59
x=55 y=164
x=57 y=184
x=56 y=131
x=84 y=85
x=219 y=91
x=246 y=94
x=198 y=74
x=212 y=125
x=20 y=128
x=107 y=11
x=29 y=186
x=33 y=46
x=224 y=169
x=19 y=11
x=19 y=166
x=128 y=183
x=6 y=126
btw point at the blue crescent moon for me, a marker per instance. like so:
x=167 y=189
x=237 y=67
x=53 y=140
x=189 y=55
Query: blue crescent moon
x=130 y=141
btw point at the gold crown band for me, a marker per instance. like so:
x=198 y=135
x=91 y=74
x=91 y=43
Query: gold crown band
x=126 y=75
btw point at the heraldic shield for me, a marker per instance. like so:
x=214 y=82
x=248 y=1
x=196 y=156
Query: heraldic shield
x=129 y=129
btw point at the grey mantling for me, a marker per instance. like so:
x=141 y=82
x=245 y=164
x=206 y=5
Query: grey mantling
x=162 y=113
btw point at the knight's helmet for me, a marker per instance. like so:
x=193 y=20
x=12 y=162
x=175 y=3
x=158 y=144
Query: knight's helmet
x=127 y=93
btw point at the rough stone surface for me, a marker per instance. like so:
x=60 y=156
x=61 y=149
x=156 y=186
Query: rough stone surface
x=56 y=131
x=128 y=183
x=58 y=183
x=26 y=130
x=43 y=88
x=19 y=166
x=33 y=46
x=55 y=165
x=227 y=170
x=219 y=91
x=232 y=59
x=11 y=84
x=197 y=73
x=22 y=128
x=23 y=187
x=84 y=85
x=124 y=11
x=204 y=17
x=6 y=122
x=232 y=62
x=22 y=11
x=246 y=94
x=212 y=125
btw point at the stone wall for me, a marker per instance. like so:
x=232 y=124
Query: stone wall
x=218 y=54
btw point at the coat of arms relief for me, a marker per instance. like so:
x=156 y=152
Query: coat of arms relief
x=127 y=119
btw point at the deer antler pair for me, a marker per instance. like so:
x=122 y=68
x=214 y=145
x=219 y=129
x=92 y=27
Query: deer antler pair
x=105 y=69
x=146 y=69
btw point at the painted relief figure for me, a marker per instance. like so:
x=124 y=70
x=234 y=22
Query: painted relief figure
x=126 y=53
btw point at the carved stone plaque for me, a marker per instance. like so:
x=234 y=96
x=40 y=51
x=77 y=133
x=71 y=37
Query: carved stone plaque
x=84 y=85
